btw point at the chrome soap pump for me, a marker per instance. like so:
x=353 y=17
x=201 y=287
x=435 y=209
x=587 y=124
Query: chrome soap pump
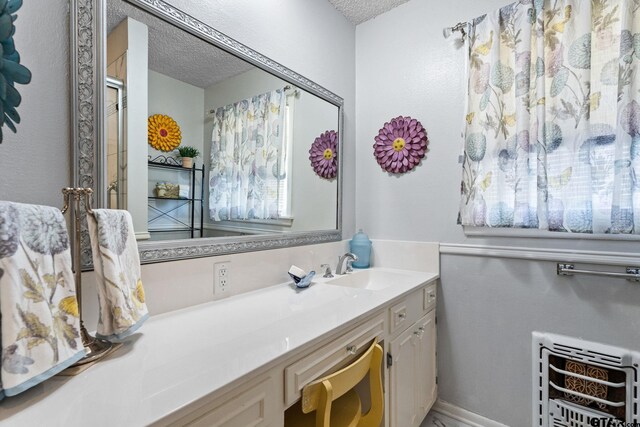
x=360 y=245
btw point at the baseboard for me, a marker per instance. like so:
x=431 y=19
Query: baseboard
x=467 y=417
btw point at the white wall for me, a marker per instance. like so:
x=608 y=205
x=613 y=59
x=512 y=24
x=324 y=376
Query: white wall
x=181 y=101
x=313 y=198
x=488 y=307
x=185 y=104
x=127 y=47
x=311 y=38
x=35 y=163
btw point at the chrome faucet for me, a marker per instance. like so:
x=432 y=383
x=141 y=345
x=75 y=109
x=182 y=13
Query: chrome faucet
x=327 y=271
x=341 y=261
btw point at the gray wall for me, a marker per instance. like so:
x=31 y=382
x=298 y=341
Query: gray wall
x=311 y=38
x=35 y=162
x=488 y=306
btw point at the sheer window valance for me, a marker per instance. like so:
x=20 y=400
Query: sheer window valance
x=247 y=159
x=552 y=138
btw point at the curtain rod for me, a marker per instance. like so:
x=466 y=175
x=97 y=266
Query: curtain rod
x=460 y=27
x=284 y=89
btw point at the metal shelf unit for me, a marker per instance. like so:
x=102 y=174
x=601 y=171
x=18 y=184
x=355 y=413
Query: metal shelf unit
x=194 y=173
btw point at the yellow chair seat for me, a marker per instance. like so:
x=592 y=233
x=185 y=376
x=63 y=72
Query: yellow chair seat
x=345 y=412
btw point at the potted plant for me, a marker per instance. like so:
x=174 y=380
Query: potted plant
x=188 y=154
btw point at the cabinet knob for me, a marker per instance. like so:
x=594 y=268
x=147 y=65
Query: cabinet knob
x=402 y=315
x=352 y=349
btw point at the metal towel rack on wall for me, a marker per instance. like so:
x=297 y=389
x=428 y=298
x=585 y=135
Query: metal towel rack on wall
x=95 y=348
x=632 y=273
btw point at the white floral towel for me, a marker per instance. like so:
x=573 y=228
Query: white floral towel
x=117 y=266
x=40 y=324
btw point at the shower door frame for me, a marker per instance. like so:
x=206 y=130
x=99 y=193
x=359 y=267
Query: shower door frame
x=118 y=85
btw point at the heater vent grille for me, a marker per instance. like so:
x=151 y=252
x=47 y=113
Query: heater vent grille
x=564 y=414
x=576 y=382
x=587 y=355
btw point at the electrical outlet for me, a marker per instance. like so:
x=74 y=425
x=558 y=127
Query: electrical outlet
x=221 y=277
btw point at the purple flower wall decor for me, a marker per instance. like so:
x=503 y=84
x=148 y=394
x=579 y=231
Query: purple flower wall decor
x=400 y=144
x=324 y=154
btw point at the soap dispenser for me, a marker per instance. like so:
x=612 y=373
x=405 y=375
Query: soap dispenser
x=360 y=245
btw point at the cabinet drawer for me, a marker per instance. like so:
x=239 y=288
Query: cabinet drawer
x=430 y=297
x=313 y=366
x=254 y=406
x=406 y=312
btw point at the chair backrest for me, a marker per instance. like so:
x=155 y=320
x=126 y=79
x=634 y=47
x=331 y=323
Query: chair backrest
x=330 y=388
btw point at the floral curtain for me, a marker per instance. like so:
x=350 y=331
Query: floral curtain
x=245 y=167
x=552 y=136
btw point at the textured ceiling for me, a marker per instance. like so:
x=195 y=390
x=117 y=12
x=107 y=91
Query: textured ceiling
x=358 y=11
x=176 y=53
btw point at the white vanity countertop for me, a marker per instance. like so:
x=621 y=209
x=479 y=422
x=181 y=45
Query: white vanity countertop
x=180 y=357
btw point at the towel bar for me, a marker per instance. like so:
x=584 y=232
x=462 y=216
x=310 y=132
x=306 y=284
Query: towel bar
x=632 y=273
x=95 y=348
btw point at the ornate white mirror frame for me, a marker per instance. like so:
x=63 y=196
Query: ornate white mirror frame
x=88 y=52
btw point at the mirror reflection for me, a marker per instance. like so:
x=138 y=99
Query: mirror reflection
x=203 y=144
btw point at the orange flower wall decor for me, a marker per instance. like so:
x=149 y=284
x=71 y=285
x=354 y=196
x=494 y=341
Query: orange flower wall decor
x=164 y=133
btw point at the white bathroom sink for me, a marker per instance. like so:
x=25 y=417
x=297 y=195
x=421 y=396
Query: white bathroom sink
x=373 y=279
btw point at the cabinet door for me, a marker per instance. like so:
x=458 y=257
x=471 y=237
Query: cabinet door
x=426 y=370
x=402 y=400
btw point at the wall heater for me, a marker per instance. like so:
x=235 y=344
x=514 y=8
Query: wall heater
x=578 y=383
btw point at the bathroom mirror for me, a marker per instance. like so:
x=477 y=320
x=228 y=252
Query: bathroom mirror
x=268 y=170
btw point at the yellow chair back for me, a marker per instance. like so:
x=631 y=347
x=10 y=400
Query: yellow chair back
x=319 y=395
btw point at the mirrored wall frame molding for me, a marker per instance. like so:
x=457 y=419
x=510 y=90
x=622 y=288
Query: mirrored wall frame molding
x=88 y=58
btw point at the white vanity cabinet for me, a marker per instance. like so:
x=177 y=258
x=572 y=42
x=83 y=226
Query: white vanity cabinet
x=407 y=329
x=412 y=374
x=254 y=404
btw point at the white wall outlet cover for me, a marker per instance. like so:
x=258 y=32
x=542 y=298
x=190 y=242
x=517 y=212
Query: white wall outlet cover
x=221 y=277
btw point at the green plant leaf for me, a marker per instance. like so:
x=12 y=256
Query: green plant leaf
x=24 y=333
x=49 y=280
x=34 y=290
x=66 y=330
x=34 y=342
x=33 y=323
x=187 y=151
